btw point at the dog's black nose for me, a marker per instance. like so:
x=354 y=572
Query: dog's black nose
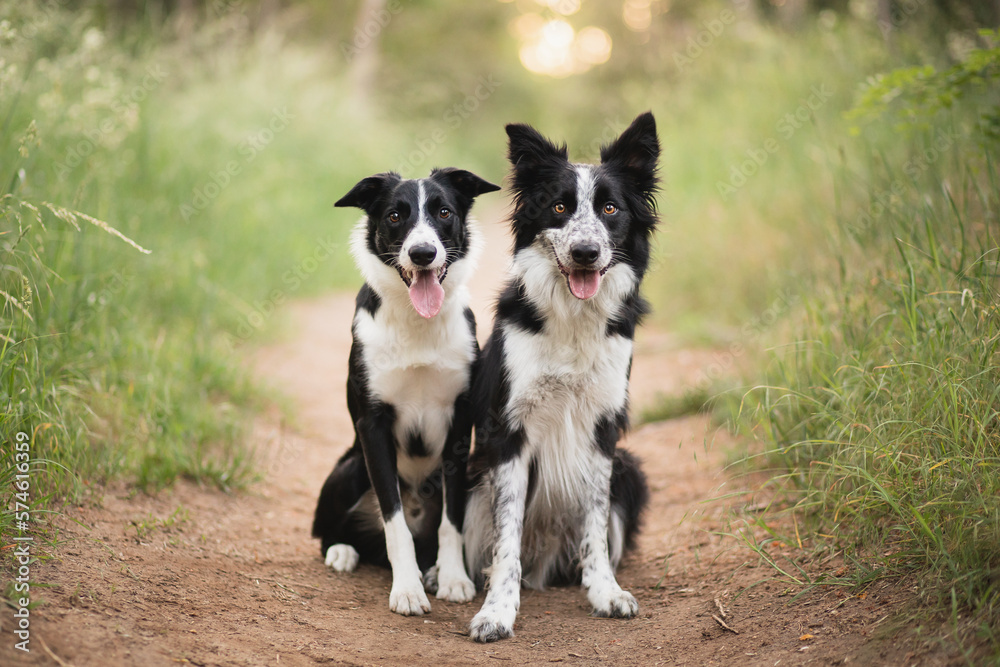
x=423 y=254
x=585 y=253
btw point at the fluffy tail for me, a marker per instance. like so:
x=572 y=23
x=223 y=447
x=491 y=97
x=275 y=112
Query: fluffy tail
x=629 y=497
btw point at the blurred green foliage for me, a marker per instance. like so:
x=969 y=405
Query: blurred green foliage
x=916 y=95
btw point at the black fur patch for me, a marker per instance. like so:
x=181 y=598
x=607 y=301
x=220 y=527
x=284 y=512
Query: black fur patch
x=629 y=316
x=513 y=306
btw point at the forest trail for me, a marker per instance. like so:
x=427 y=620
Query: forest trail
x=195 y=576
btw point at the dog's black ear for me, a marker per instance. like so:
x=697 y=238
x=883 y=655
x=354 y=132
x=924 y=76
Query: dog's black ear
x=636 y=151
x=464 y=182
x=368 y=190
x=529 y=149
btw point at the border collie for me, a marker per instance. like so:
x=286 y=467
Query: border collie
x=408 y=386
x=552 y=501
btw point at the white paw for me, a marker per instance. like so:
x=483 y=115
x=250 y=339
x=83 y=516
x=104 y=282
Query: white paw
x=489 y=625
x=455 y=586
x=342 y=558
x=616 y=603
x=409 y=600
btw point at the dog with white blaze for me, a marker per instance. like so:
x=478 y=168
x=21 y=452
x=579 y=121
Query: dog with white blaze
x=552 y=500
x=398 y=496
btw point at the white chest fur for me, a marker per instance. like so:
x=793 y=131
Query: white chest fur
x=419 y=367
x=564 y=379
x=558 y=393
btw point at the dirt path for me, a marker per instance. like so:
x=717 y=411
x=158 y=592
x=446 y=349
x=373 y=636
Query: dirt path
x=196 y=576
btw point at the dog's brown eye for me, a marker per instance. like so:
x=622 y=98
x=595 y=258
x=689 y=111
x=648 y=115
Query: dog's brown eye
x=444 y=213
x=559 y=207
x=394 y=217
x=610 y=209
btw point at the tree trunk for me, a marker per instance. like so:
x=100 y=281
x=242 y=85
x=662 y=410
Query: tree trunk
x=363 y=52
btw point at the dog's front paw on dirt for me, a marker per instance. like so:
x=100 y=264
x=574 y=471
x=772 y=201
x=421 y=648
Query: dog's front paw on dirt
x=488 y=626
x=616 y=604
x=455 y=587
x=341 y=558
x=409 y=600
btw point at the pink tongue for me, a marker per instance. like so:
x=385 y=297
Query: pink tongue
x=583 y=284
x=426 y=293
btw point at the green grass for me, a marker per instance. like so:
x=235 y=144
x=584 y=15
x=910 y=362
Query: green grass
x=672 y=407
x=882 y=424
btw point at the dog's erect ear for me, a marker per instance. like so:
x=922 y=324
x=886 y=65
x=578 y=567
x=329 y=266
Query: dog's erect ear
x=529 y=149
x=464 y=182
x=368 y=190
x=636 y=150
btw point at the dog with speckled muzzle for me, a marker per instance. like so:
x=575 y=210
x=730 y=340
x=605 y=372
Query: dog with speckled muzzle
x=552 y=499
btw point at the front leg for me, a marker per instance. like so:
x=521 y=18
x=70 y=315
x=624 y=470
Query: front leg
x=453 y=581
x=510 y=490
x=407 y=596
x=603 y=591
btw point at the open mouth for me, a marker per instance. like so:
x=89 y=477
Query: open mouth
x=408 y=275
x=583 y=283
x=426 y=293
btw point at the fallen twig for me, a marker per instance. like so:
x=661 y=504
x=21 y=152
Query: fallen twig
x=718 y=605
x=723 y=624
x=52 y=655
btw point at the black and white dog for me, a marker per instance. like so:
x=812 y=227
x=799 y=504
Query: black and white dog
x=409 y=377
x=553 y=501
